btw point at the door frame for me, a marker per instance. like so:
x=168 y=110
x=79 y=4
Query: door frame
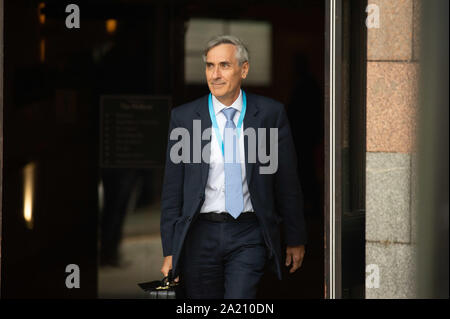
x=1 y=134
x=345 y=111
x=333 y=178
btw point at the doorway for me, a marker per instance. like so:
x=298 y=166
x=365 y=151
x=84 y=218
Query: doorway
x=62 y=87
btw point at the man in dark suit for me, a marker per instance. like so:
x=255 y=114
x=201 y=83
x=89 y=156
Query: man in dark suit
x=221 y=215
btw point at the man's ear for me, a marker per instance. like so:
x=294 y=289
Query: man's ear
x=245 y=69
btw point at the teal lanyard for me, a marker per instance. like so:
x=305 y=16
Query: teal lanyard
x=214 y=121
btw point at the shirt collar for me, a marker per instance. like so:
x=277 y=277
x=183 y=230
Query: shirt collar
x=218 y=106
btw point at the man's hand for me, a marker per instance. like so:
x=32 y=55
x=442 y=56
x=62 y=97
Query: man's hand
x=294 y=256
x=167 y=265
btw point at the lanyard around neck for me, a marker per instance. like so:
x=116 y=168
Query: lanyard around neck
x=214 y=121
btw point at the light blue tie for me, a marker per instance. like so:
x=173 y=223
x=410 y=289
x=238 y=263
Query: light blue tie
x=234 y=199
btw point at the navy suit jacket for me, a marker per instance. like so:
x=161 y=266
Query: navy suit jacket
x=276 y=198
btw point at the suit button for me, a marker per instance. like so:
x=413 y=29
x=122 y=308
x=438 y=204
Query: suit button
x=189 y=218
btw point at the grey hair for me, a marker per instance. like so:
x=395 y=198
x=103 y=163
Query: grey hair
x=241 y=50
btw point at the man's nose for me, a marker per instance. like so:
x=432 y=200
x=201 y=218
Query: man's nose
x=216 y=72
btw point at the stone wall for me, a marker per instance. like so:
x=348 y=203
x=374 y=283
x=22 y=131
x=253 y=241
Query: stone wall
x=392 y=86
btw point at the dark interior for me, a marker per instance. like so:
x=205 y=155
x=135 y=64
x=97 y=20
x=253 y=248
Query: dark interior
x=54 y=81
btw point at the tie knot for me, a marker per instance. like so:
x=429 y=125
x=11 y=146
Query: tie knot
x=229 y=113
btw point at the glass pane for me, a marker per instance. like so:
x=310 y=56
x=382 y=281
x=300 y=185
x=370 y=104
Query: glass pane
x=200 y=31
x=195 y=69
x=258 y=38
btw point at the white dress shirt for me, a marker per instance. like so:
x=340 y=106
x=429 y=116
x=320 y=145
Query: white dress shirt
x=215 y=186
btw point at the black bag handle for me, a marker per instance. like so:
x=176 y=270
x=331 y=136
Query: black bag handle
x=169 y=280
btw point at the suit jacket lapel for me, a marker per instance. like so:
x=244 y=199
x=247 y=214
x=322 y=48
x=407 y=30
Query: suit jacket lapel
x=250 y=120
x=203 y=115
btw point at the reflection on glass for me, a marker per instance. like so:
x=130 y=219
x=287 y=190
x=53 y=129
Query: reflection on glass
x=130 y=245
x=111 y=26
x=41 y=15
x=28 y=193
x=42 y=50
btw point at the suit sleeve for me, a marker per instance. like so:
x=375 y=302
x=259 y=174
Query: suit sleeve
x=288 y=192
x=172 y=193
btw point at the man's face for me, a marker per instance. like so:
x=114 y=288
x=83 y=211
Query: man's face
x=223 y=73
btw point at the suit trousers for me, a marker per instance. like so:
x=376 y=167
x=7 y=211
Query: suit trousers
x=223 y=260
